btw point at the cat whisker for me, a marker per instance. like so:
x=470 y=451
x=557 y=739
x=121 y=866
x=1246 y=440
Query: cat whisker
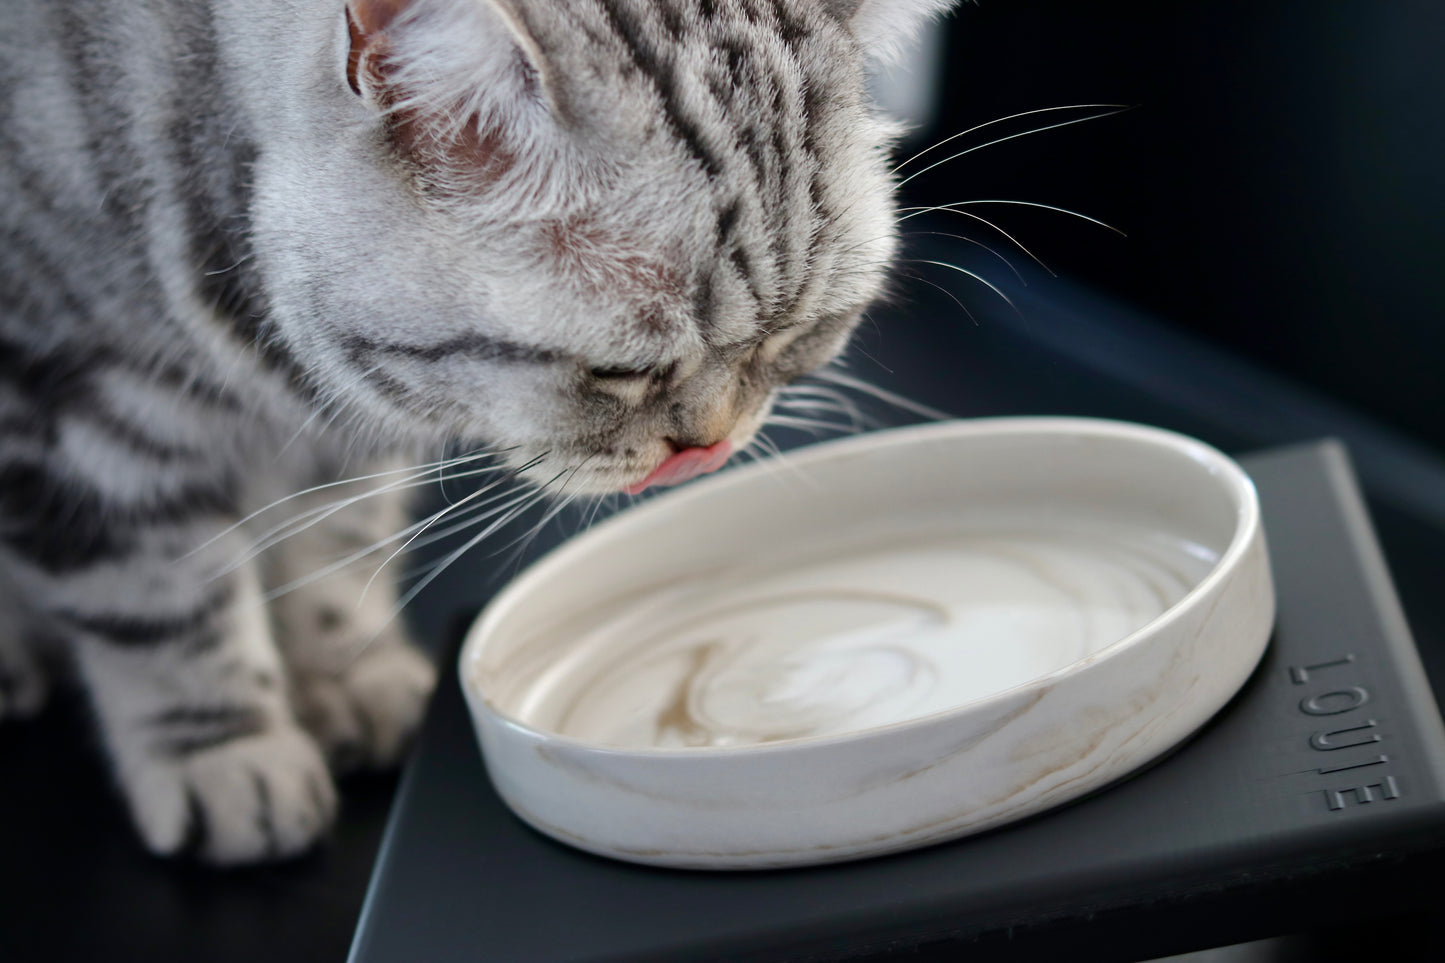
x=749 y=451
x=1000 y=140
x=805 y=390
x=520 y=503
x=562 y=500
x=934 y=284
x=470 y=517
x=1013 y=240
x=416 y=470
x=1112 y=108
x=609 y=506
x=589 y=514
x=1107 y=110
x=461 y=518
x=955 y=205
x=530 y=498
x=971 y=240
x=894 y=263
x=976 y=276
x=560 y=503
x=775 y=461
x=842 y=379
x=299 y=432
x=813 y=425
x=823 y=398
x=458 y=507
x=413 y=530
x=297 y=524
x=217 y=272
x=452 y=508
x=859 y=349
x=817 y=409
x=817 y=398
x=496 y=521
x=766 y=445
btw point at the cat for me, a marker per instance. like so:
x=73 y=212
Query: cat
x=253 y=248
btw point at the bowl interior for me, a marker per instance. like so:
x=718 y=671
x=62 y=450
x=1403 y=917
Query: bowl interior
x=868 y=582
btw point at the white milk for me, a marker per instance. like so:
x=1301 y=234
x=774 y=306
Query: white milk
x=855 y=634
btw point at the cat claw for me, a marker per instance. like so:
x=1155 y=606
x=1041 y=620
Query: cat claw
x=365 y=715
x=255 y=798
x=23 y=682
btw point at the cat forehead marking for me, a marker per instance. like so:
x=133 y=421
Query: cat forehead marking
x=615 y=264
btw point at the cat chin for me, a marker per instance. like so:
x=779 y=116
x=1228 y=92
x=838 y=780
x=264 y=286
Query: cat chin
x=585 y=477
x=588 y=480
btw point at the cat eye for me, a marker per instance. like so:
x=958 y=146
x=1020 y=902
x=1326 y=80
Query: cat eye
x=619 y=373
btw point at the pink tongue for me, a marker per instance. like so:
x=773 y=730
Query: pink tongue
x=688 y=463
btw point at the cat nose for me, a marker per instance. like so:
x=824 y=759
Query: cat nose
x=700 y=425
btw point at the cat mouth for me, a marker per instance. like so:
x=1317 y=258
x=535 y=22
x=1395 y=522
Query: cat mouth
x=684 y=465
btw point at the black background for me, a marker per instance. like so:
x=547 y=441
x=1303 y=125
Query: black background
x=1280 y=174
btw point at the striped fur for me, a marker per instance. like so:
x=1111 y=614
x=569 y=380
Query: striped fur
x=248 y=245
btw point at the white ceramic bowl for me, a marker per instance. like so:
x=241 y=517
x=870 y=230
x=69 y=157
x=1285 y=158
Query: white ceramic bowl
x=883 y=642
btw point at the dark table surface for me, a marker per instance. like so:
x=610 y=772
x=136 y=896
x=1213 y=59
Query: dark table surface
x=1325 y=770
x=76 y=886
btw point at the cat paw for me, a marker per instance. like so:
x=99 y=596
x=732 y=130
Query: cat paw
x=23 y=683
x=365 y=715
x=255 y=798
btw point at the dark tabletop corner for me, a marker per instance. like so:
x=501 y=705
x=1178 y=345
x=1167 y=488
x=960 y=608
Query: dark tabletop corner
x=78 y=886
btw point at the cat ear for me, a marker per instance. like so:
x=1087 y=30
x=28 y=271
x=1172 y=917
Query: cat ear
x=462 y=83
x=441 y=55
x=885 y=28
x=366 y=23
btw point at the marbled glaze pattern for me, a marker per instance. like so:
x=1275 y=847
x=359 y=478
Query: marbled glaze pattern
x=857 y=635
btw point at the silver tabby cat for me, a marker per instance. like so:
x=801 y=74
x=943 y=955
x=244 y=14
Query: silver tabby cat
x=252 y=246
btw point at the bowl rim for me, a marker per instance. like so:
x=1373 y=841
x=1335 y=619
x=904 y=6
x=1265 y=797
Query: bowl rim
x=1217 y=464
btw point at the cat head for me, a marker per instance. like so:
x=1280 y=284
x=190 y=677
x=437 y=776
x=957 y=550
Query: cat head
x=590 y=233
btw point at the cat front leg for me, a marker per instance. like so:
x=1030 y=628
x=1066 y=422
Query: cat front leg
x=24 y=684
x=189 y=692
x=359 y=685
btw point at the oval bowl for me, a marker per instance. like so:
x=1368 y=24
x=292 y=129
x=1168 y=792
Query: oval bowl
x=881 y=643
